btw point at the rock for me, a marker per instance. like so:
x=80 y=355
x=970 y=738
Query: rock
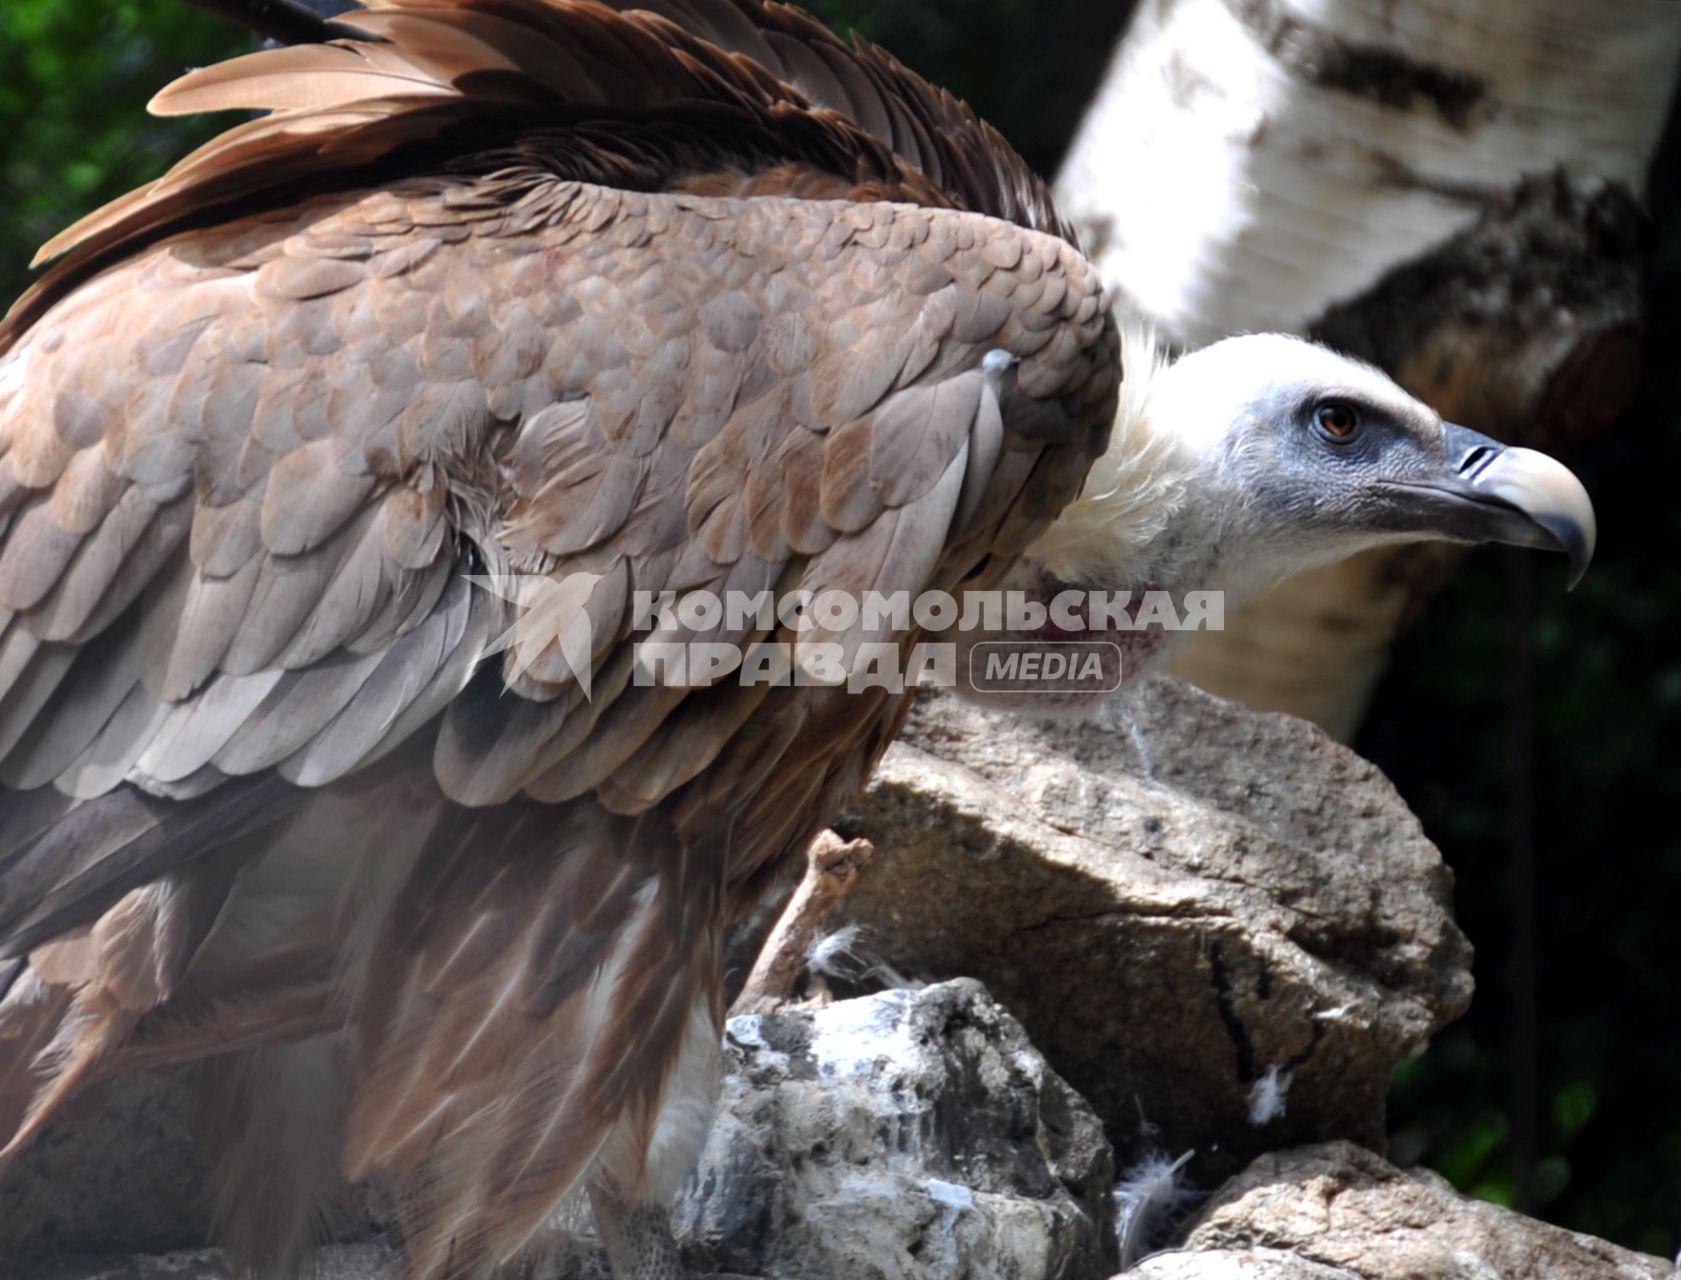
x=335 y=1262
x=906 y=1134
x=1235 y=1264
x=120 y=1169
x=1228 y=955
x=1327 y=1212
x=1343 y=1207
x=191 y=1264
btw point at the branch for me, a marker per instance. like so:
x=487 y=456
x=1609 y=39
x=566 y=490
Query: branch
x=283 y=21
x=832 y=864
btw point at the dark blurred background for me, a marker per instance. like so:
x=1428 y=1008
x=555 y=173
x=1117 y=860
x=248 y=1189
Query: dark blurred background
x=1536 y=734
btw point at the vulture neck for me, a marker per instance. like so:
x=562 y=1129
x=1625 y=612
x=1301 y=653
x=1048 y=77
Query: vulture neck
x=1164 y=508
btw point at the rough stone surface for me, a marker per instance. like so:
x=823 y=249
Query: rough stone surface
x=1258 y=909
x=335 y=1262
x=120 y=1169
x=906 y=1134
x=1235 y=1264
x=1344 y=1207
x=1329 y=1212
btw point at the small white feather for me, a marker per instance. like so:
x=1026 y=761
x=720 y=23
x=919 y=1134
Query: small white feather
x=1147 y=1197
x=1266 y=1096
x=837 y=955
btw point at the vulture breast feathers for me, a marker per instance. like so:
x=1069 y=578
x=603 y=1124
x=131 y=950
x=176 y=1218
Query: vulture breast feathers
x=513 y=310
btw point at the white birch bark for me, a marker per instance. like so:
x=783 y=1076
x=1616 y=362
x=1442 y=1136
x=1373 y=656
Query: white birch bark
x=1258 y=164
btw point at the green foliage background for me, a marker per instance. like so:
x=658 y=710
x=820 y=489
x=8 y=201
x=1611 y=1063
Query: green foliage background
x=1607 y=693
x=74 y=80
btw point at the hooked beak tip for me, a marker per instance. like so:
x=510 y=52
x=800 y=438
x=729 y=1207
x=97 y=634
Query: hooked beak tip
x=1546 y=505
x=1551 y=496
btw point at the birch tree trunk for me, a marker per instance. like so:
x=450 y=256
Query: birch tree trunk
x=1449 y=188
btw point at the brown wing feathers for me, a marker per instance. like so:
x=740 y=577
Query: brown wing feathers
x=341 y=108
x=931 y=131
x=538 y=287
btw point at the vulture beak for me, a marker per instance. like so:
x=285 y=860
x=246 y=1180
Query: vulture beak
x=1489 y=492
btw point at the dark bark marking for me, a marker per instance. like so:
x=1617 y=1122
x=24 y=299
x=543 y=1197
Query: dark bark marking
x=1363 y=70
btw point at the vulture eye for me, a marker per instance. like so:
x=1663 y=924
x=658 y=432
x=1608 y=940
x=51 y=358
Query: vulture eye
x=1337 y=420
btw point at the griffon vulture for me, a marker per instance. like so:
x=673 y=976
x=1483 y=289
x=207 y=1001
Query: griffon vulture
x=641 y=296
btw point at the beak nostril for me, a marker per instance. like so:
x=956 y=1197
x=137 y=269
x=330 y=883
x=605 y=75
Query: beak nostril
x=1476 y=459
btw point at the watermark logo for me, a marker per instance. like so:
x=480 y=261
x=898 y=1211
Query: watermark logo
x=545 y=612
x=1091 y=667
x=1015 y=642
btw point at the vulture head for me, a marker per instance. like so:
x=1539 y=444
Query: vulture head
x=1265 y=455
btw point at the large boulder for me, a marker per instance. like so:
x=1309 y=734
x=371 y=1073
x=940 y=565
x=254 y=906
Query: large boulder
x=1223 y=928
